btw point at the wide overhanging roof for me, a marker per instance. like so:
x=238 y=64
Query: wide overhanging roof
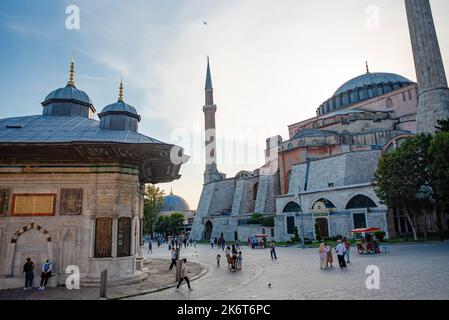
x=70 y=140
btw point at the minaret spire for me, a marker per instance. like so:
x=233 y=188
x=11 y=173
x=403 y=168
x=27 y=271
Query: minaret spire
x=208 y=85
x=71 y=81
x=367 y=67
x=211 y=173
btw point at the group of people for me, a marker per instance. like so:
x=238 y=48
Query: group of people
x=218 y=242
x=28 y=269
x=342 y=250
x=254 y=243
x=234 y=258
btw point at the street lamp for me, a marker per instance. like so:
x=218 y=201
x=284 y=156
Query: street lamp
x=298 y=199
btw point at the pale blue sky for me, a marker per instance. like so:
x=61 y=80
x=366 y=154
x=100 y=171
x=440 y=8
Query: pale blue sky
x=273 y=62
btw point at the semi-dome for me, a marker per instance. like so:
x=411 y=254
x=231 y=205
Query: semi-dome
x=68 y=101
x=119 y=115
x=361 y=88
x=174 y=203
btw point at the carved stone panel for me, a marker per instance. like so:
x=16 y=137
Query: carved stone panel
x=71 y=202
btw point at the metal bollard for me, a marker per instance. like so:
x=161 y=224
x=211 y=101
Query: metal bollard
x=103 y=283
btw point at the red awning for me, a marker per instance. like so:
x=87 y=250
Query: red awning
x=261 y=235
x=365 y=230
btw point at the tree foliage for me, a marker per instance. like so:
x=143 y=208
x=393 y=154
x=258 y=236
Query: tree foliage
x=153 y=201
x=169 y=224
x=403 y=181
x=439 y=168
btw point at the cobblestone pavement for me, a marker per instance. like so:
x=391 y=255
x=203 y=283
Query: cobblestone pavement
x=158 y=277
x=408 y=271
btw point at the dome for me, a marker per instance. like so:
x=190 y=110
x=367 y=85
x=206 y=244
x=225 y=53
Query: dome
x=361 y=88
x=69 y=92
x=68 y=101
x=174 y=203
x=119 y=115
x=369 y=79
x=121 y=107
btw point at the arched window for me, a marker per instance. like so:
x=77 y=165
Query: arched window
x=360 y=202
x=255 y=188
x=292 y=207
x=323 y=205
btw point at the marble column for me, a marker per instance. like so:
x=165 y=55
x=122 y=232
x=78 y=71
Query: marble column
x=433 y=92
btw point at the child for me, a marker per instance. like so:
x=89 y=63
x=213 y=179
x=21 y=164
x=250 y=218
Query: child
x=218 y=260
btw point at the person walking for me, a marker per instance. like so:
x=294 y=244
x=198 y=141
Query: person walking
x=330 y=256
x=184 y=274
x=174 y=256
x=323 y=255
x=249 y=242
x=28 y=268
x=150 y=246
x=348 y=248
x=341 y=249
x=46 y=274
x=273 y=251
x=212 y=243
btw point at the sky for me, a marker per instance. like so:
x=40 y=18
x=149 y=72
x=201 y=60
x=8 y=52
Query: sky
x=273 y=63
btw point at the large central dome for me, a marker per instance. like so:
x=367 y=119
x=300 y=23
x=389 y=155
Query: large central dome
x=362 y=88
x=370 y=79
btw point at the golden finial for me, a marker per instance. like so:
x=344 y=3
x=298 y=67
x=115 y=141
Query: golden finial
x=367 y=68
x=72 y=72
x=120 y=96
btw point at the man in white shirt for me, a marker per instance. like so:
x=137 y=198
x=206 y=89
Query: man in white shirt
x=341 y=250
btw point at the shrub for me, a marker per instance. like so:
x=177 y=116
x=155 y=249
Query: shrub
x=380 y=235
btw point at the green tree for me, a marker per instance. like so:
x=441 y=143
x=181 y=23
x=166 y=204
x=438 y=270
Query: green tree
x=402 y=180
x=439 y=171
x=443 y=125
x=169 y=225
x=153 y=201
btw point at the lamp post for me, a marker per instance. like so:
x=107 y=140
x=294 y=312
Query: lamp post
x=301 y=211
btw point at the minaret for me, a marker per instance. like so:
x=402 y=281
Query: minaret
x=433 y=92
x=211 y=173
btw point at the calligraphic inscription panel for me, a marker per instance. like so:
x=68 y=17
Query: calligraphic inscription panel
x=33 y=205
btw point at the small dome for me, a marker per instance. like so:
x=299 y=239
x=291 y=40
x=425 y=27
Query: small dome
x=121 y=107
x=69 y=92
x=119 y=116
x=174 y=203
x=68 y=101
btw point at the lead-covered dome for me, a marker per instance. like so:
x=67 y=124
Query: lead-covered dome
x=174 y=203
x=119 y=116
x=68 y=101
x=362 y=88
